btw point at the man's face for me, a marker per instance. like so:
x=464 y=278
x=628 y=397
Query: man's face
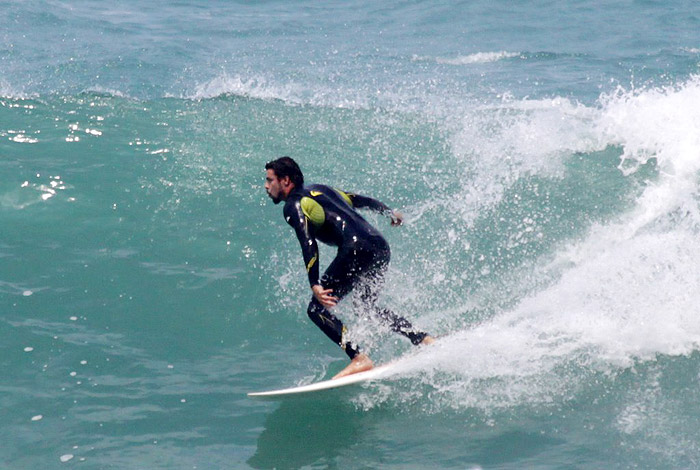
x=274 y=186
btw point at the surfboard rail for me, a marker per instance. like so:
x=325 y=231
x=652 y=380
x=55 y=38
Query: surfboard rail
x=372 y=374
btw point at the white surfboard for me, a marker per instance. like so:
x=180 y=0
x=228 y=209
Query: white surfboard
x=372 y=374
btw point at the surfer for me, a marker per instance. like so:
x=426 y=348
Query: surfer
x=319 y=212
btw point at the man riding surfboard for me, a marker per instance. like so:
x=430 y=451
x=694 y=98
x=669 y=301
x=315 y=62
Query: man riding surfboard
x=321 y=213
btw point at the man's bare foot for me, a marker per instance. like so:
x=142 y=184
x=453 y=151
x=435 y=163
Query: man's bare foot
x=427 y=340
x=360 y=363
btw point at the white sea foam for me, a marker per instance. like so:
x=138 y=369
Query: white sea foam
x=253 y=87
x=662 y=123
x=479 y=58
x=108 y=92
x=476 y=58
x=11 y=92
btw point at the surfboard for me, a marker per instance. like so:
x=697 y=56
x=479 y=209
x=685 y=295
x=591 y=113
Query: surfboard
x=372 y=374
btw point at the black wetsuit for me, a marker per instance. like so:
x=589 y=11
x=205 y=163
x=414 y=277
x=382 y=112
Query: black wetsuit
x=318 y=212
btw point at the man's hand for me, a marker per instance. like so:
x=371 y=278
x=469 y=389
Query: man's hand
x=324 y=296
x=396 y=218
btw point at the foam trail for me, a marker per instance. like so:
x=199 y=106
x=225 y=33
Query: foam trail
x=627 y=292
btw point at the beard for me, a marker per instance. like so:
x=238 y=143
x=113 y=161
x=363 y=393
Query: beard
x=276 y=200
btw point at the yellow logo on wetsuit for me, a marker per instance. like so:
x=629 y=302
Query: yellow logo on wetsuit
x=345 y=196
x=311 y=263
x=313 y=210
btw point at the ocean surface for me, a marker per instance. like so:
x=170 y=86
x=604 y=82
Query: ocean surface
x=546 y=156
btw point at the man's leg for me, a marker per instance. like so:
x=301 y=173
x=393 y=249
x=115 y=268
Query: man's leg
x=331 y=326
x=340 y=277
x=334 y=329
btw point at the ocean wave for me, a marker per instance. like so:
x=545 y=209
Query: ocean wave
x=619 y=294
x=501 y=142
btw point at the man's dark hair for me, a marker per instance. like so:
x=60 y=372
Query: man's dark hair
x=286 y=166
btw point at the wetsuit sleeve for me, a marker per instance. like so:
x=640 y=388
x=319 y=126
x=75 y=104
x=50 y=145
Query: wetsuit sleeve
x=363 y=202
x=295 y=217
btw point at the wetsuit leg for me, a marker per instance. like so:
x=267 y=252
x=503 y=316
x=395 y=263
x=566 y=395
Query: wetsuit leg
x=401 y=325
x=331 y=326
x=340 y=276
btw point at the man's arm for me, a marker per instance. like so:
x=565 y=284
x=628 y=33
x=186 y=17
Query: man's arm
x=364 y=202
x=309 y=248
x=295 y=217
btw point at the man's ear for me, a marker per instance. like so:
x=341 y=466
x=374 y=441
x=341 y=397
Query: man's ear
x=285 y=182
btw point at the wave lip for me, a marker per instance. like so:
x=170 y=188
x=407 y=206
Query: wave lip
x=290 y=93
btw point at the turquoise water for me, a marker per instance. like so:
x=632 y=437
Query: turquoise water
x=546 y=156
